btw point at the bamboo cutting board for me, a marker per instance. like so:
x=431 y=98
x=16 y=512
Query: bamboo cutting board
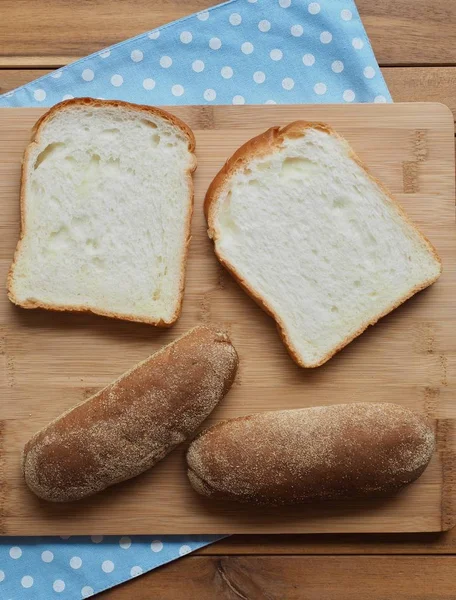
x=50 y=361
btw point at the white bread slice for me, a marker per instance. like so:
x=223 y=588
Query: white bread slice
x=106 y=204
x=314 y=238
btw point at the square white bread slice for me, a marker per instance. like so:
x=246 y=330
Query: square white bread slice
x=106 y=205
x=317 y=241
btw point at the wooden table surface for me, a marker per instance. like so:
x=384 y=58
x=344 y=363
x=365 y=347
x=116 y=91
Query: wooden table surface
x=415 y=44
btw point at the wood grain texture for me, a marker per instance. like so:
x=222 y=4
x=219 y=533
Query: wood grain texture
x=296 y=578
x=13 y=78
x=422 y=84
x=50 y=361
x=56 y=32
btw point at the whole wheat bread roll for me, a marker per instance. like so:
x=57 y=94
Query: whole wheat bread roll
x=134 y=422
x=324 y=452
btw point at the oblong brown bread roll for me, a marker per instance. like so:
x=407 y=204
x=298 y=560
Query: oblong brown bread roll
x=134 y=422
x=324 y=452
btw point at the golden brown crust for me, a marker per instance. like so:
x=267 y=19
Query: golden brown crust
x=318 y=453
x=262 y=145
x=134 y=422
x=36 y=131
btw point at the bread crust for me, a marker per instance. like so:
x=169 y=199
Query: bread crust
x=134 y=422
x=263 y=145
x=319 y=453
x=36 y=132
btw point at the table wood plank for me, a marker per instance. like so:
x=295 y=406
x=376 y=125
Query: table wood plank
x=422 y=84
x=296 y=578
x=407 y=84
x=405 y=32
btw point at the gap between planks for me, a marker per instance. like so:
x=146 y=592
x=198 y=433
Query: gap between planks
x=55 y=62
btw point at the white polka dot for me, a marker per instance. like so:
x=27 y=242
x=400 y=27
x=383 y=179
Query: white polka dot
x=314 y=8
x=348 y=95
x=264 y=25
x=203 y=16
x=154 y=35
x=75 y=562
x=135 y=571
x=107 y=566
x=125 y=542
x=270 y=102
x=210 y=94
x=27 y=581
x=320 y=88
x=100 y=98
x=198 y=66
x=296 y=30
x=96 y=539
x=226 y=72
x=215 y=43
x=259 y=77
x=177 y=90
x=288 y=83
x=186 y=37
x=156 y=546
x=252 y=1
x=87 y=591
x=369 y=72
x=166 y=62
x=235 y=19
x=2 y=575
x=325 y=37
x=308 y=59
x=276 y=54
x=67 y=97
x=105 y=54
x=247 y=48
x=238 y=100
x=15 y=552
x=337 y=66
x=346 y=15
x=379 y=99
x=47 y=556
x=284 y=3
x=148 y=84
x=88 y=75
x=57 y=74
x=117 y=80
x=39 y=95
x=136 y=55
x=184 y=550
x=58 y=585
x=357 y=43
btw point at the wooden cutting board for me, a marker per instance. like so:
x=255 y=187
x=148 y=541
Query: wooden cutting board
x=51 y=361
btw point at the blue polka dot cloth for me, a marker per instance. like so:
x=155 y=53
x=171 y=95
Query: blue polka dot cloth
x=71 y=568
x=239 y=52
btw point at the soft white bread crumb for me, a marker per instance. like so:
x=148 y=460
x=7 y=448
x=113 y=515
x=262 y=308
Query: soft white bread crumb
x=318 y=242
x=106 y=204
